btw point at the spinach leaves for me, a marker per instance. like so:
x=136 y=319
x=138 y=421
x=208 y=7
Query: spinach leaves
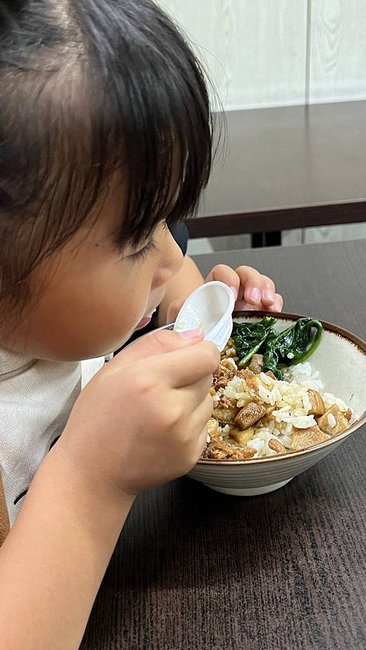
x=279 y=349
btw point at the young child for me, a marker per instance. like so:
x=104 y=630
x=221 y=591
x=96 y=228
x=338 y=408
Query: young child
x=105 y=144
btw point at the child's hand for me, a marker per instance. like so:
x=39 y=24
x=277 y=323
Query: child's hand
x=142 y=419
x=252 y=289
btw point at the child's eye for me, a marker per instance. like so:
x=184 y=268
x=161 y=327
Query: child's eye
x=143 y=252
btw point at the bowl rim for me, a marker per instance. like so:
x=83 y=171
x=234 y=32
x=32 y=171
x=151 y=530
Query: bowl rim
x=330 y=327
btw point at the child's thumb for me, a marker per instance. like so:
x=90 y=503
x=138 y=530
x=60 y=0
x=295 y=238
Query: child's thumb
x=158 y=342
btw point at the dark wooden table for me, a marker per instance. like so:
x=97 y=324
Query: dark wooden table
x=198 y=570
x=287 y=167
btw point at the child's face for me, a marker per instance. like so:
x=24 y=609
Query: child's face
x=93 y=296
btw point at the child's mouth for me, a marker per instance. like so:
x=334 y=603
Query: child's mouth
x=145 y=320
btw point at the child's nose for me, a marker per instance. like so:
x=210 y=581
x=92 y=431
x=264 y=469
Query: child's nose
x=171 y=260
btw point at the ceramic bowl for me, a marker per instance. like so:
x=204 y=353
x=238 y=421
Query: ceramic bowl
x=340 y=359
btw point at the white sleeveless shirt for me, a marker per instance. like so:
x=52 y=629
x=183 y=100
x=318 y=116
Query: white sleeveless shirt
x=36 y=398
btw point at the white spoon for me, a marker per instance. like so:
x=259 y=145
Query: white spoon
x=209 y=307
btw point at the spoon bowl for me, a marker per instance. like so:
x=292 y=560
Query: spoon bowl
x=209 y=307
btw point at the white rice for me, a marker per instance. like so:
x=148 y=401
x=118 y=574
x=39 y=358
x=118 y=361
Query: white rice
x=290 y=399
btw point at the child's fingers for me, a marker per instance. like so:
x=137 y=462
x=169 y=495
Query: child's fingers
x=242 y=305
x=268 y=291
x=251 y=284
x=225 y=274
x=187 y=366
x=259 y=290
x=155 y=343
x=203 y=414
x=195 y=435
x=253 y=290
x=200 y=416
x=278 y=303
x=200 y=411
x=195 y=394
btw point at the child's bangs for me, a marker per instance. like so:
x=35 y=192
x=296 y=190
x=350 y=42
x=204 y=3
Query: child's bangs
x=114 y=88
x=166 y=173
x=162 y=129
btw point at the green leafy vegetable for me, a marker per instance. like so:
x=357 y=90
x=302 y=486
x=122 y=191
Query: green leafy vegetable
x=280 y=349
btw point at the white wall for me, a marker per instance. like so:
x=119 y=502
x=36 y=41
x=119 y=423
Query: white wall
x=278 y=52
x=338 y=50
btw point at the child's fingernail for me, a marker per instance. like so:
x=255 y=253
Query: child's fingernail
x=192 y=334
x=269 y=295
x=255 y=295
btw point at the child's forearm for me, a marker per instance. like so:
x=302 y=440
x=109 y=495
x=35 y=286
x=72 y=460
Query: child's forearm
x=53 y=560
x=179 y=288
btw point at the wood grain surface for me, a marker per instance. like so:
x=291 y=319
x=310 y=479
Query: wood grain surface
x=196 y=570
x=285 y=168
x=278 y=52
x=337 y=50
x=254 y=52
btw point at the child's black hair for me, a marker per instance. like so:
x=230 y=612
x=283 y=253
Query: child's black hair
x=88 y=87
